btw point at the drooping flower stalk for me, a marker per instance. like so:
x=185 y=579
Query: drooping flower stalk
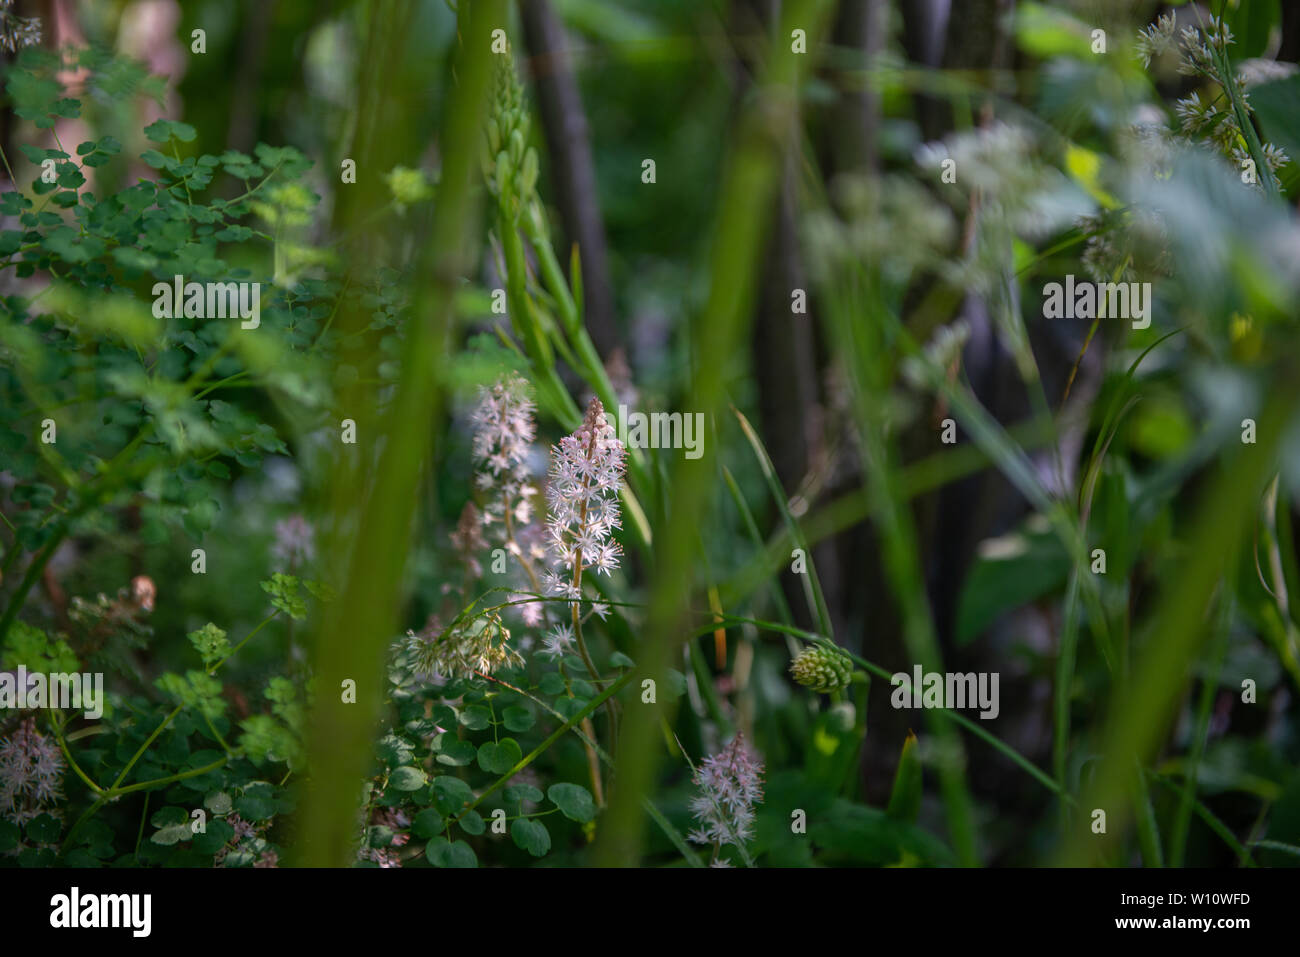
x=505 y=430
x=728 y=785
x=31 y=774
x=586 y=473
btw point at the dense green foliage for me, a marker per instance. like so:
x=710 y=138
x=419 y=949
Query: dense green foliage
x=369 y=584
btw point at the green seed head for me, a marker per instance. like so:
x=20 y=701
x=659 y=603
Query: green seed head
x=822 y=669
x=506 y=134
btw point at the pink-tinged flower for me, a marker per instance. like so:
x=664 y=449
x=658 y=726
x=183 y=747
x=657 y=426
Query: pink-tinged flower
x=503 y=441
x=503 y=436
x=295 y=542
x=383 y=856
x=396 y=821
x=729 y=784
x=531 y=612
x=31 y=773
x=586 y=475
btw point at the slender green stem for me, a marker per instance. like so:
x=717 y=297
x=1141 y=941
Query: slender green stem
x=144 y=747
x=558 y=733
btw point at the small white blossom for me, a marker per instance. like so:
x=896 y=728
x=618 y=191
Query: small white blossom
x=586 y=475
x=558 y=642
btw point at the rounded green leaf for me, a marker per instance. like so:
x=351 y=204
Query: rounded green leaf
x=457 y=753
x=552 y=683
x=523 y=792
x=531 y=836
x=573 y=800
x=444 y=853
x=476 y=718
x=428 y=823
x=444 y=716
x=498 y=758
x=450 y=794
x=408 y=779
x=252 y=808
x=218 y=802
x=570 y=707
x=518 y=719
x=473 y=823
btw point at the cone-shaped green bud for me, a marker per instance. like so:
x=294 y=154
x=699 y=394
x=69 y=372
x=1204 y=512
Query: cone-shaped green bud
x=822 y=669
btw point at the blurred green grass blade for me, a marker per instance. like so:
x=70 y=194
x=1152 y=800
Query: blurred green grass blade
x=1204 y=707
x=744 y=209
x=1140 y=713
x=1212 y=822
x=1147 y=829
x=1064 y=686
x=905 y=798
x=352 y=641
x=751 y=527
x=811 y=583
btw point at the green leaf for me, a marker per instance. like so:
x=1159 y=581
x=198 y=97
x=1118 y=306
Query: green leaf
x=395 y=751
x=552 y=683
x=161 y=131
x=444 y=853
x=476 y=718
x=905 y=799
x=1251 y=24
x=573 y=800
x=211 y=644
x=498 y=758
x=285 y=596
x=451 y=794
x=44 y=829
x=426 y=824
x=1011 y=571
x=218 y=802
x=523 y=792
x=216 y=836
x=68 y=108
x=457 y=754
x=472 y=823
x=568 y=707
x=253 y=808
x=517 y=718
x=172 y=834
x=408 y=779
x=167 y=816
x=531 y=836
